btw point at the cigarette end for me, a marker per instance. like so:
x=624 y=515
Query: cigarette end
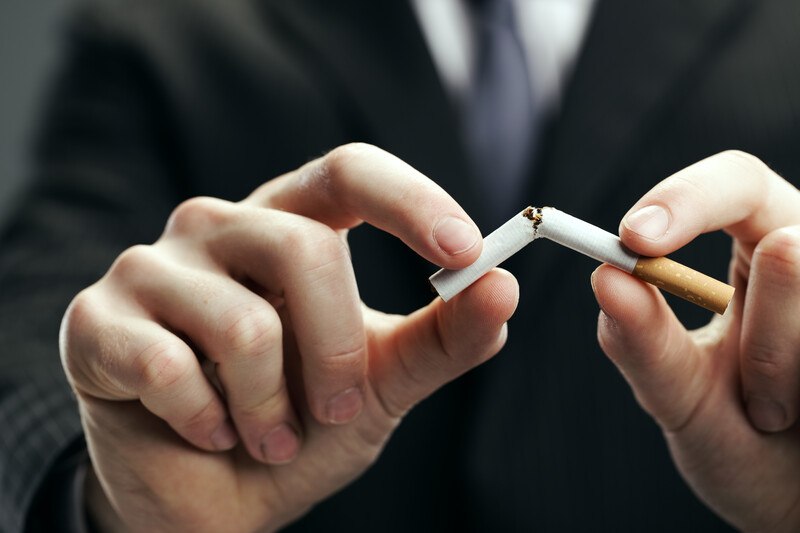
x=684 y=282
x=534 y=214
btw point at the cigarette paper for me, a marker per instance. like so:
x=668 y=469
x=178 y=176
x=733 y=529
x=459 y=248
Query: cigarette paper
x=590 y=240
x=585 y=238
x=498 y=246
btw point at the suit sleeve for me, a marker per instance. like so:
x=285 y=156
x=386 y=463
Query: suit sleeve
x=105 y=178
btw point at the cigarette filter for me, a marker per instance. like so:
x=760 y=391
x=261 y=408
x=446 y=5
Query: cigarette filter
x=590 y=240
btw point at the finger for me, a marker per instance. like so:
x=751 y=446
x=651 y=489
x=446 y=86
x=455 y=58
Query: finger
x=308 y=265
x=359 y=182
x=770 y=349
x=235 y=329
x=731 y=190
x=439 y=342
x=130 y=358
x=641 y=335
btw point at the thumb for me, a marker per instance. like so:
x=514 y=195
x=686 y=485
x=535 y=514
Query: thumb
x=419 y=353
x=639 y=332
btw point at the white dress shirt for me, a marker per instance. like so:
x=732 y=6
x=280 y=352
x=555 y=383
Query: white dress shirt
x=551 y=30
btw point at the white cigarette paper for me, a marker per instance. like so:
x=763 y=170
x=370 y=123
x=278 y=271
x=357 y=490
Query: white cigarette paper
x=585 y=238
x=590 y=240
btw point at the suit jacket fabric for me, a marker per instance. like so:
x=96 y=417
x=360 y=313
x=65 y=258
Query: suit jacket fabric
x=160 y=101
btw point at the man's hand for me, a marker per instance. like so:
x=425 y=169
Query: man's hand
x=726 y=396
x=243 y=324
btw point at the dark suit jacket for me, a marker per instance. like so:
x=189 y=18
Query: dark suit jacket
x=160 y=101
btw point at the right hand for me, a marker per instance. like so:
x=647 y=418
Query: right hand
x=242 y=324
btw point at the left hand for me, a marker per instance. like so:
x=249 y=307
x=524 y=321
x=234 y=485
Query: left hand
x=727 y=396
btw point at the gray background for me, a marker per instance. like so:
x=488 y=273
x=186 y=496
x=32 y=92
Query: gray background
x=30 y=41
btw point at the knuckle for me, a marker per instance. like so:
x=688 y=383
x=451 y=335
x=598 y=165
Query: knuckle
x=81 y=313
x=134 y=263
x=417 y=369
x=344 y=361
x=337 y=165
x=750 y=164
x=742 y=158
x=197 y=215
x=684 y=187
x=197 y=423
x=295 y=237
x=765 y=362
x=250 y=329
x=271 y=405
x=325 y=253
x=339 y=160
x=313 y=246
x=779 y=252
x=80 y=318
x=160 y=367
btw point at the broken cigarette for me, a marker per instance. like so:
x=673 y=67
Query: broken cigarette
x=557 y=226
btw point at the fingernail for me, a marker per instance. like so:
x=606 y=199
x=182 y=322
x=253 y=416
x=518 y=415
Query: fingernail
x=455 y=236
x=766 y=414
x=280 y=445
x=224 y=437
x=345 y=406
x=651 y=222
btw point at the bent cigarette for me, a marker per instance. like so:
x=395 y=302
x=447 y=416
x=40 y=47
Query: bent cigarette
x=590 y=240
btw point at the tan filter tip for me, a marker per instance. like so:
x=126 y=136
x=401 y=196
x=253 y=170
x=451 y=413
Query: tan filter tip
x=684 y=282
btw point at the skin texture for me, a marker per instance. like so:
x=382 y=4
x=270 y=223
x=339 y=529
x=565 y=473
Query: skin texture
x=725 y=396
x=228 y=375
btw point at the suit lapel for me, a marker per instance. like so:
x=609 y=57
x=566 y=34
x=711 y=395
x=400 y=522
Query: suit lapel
x=622 y=81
